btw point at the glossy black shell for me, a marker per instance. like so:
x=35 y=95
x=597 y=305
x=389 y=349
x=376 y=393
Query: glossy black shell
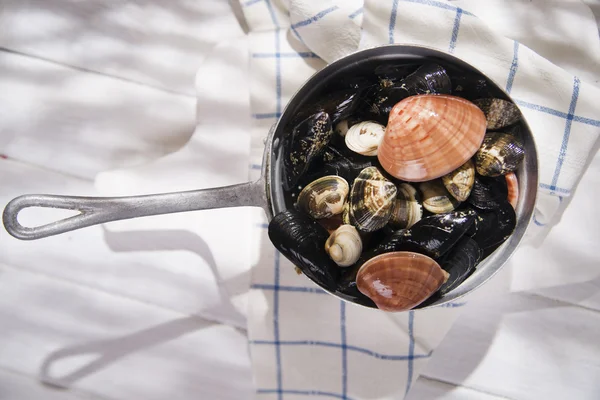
x=301 y=240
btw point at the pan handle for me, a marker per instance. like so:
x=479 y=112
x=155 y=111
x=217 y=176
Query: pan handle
x=98 y=210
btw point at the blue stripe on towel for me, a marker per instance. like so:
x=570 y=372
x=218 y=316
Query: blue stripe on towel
x=513 y=67
x=356 y=13
x=567 y=133
x=411 y=348
x=393 y=21
x=317 y=17
x=344 y=349
x=357 y=349
x=437 y=4
x=459 y=13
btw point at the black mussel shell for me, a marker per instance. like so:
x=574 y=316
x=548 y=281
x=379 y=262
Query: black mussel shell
x=380 y=101
x=359 y=82
x=302 y=241
x=438 y=233
x=432 y=236
x=469 y=86
x=305 y=144
x=350 y=292
x=389 y=74
x=345 y=168
x=488 y=193
x=459 y=263
x=339 y=105
x=493 y=227
x=429 y=78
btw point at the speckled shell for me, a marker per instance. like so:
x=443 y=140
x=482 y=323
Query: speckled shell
x=324 y=197
x=429 y=136
x=364 y=137
x=344 y=245
x=371 y=200
x=436 y=198
x=460 y=181
x=498 y=113
x=513 y=189
x=499 y=154
x=400 y=281
x=406 y=210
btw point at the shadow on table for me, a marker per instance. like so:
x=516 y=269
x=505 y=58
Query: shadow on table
x=106 y=352
x=179 y=239
x=103 y=353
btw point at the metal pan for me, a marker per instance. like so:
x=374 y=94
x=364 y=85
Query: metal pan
x=267 y=192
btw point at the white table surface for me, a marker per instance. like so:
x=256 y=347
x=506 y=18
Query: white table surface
x=81 y=84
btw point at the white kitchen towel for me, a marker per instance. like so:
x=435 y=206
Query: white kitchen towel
x=306 y=343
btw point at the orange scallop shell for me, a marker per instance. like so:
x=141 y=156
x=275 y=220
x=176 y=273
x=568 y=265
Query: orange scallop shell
x=400 y=280
x=513 y=189
x=428 y=136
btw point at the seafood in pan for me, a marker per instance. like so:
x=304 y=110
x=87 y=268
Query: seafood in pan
x=400 y=186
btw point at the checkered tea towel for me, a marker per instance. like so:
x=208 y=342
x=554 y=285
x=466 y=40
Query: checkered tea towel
x=304 y=342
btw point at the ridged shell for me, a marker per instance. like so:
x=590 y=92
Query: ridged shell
x=400 y=281
x=513 y=189
x=302 y=241
x=344 y=245
x=460 y=181
x=324 y=197
x=364 y=137
x=371 y=200
x=498 y=113
x=436 y=198
x=406 y=210
x=429 y=136
x=346 y=214
x=499 y=154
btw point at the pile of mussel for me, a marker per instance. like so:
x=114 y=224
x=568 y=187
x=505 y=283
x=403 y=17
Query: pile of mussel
x=398 y=187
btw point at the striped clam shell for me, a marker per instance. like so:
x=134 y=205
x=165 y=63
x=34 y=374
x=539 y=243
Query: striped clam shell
x=499 y=154
x=498 y=113
x=406 y=210
x=324 y=197
x=371 y=200
x=428 y=136
x=460 y=181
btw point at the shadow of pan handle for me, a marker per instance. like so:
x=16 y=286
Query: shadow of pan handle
x=98 y=210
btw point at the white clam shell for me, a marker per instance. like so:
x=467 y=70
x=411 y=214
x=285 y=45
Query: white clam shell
x=344 y=245
x=364 y=137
